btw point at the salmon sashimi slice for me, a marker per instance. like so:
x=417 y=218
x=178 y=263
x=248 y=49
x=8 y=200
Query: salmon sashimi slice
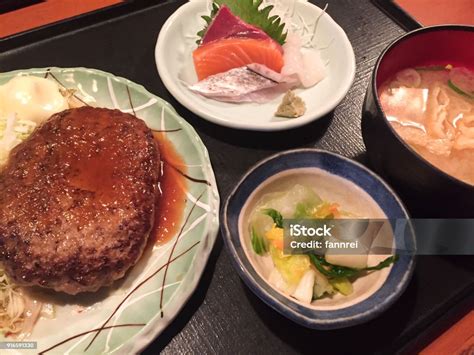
x=226 y=54
x=226 y=25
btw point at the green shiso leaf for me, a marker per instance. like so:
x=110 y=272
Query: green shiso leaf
x=250 y=12
x=208 y=19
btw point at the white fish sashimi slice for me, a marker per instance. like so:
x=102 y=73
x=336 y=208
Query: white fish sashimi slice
x=252 y=83
x=307 y=65
x=292 y=56
x=273 y=75
x=314 y=69
x=259 y=96
x=234 y=82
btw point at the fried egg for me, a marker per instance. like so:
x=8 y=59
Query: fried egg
x=31 y=98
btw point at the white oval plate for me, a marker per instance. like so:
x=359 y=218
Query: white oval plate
x=173 y=55
x=130 y=312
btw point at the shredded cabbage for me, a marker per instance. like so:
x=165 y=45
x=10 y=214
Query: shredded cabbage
x=12 y=306
x=19 y=312
x=12 y=132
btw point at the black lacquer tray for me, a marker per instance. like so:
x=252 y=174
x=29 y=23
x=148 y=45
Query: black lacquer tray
x=224 y=316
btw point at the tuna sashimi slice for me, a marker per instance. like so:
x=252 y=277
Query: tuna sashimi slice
x=225 y=54
x=226 y=25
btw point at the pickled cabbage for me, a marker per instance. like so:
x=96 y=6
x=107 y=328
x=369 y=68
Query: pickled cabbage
x=304 y=277
x=291 y=267
x=286 y=202
x=343 y=285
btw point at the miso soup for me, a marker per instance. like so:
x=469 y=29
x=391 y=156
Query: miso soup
x=432 y=109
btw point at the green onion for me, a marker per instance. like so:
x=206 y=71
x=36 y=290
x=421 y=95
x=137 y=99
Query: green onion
x=432 y=68
x=458 y=90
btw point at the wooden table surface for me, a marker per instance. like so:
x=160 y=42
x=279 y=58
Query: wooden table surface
x=46 y=12
x=440 y=11
x=459 y=339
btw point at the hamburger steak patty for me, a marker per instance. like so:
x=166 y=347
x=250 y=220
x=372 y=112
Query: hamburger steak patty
x=77 y=200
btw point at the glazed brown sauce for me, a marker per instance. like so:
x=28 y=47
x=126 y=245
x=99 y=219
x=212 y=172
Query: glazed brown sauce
x=170 y=206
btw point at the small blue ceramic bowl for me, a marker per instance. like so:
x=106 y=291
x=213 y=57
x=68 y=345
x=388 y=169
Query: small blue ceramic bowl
x=338 y=171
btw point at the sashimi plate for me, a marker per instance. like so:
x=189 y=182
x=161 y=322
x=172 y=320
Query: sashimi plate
x=177 y=41
x=126 y=317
